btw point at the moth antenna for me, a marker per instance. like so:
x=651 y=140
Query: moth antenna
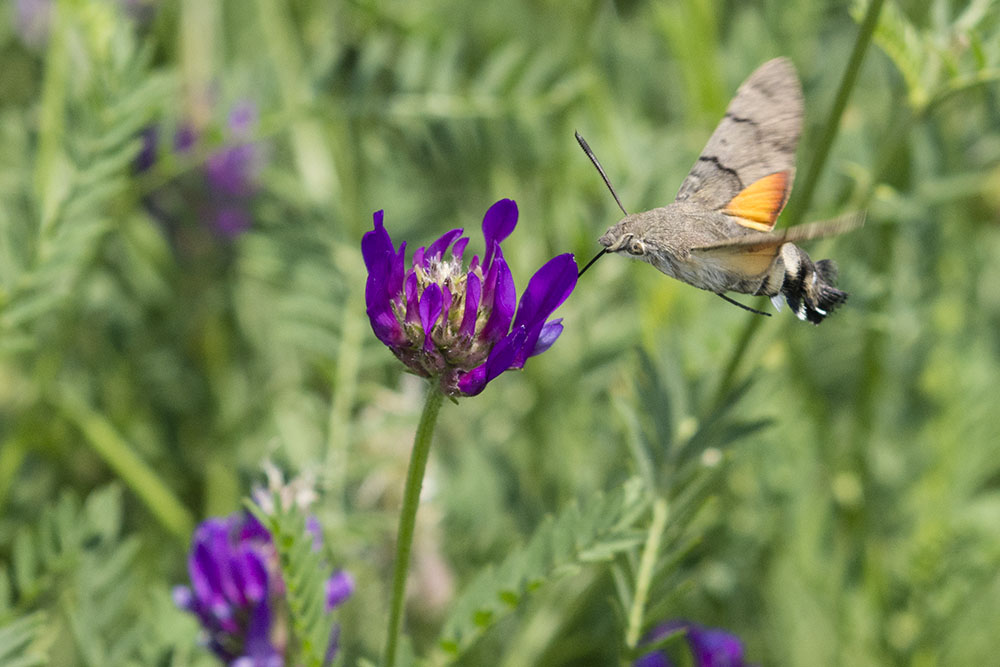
x=593 y=158
x=732 y=301
x=597 y=163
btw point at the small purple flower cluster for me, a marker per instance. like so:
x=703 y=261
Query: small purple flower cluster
x=456 y=323
x=221 y=191
x=236 y=591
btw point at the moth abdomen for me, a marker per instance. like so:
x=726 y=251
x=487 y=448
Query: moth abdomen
x=810 y=289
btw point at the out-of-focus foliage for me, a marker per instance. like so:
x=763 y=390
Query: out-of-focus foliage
x=830 y=494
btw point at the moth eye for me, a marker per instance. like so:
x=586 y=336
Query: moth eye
x=636 y=248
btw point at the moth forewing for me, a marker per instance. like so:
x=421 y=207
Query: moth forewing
x=756 y=138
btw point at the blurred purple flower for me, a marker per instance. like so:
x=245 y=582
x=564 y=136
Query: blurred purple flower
x=458 y=324
x=32 y=19
x=339 y=587
x=223 y=189
x=236 y=591
x=710 y=647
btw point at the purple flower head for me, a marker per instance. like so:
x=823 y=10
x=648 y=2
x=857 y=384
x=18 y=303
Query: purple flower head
x=236 y=591
x=709 y=647
x=462 y=323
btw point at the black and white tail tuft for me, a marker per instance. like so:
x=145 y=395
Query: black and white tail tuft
x=810 y=288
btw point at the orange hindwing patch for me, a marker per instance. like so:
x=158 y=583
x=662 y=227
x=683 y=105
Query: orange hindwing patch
x=757 y=206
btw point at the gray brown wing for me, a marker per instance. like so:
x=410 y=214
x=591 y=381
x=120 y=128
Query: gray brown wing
x=757 y=137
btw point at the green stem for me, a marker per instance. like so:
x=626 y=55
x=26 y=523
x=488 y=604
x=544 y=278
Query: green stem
x=822 y=150
x=310 y=148
x=729 y=374
x=805 y=192
x=12 y=455
x=52 y=172
x=644 y=578
x=408 y=517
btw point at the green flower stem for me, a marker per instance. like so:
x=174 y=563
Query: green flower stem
x=644 y=578
x=408 y=517
x=805 y=192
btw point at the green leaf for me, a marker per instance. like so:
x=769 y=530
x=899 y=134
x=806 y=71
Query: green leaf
x=944 y=57
x=595 y=530
x=304 y=572
x=19 y=639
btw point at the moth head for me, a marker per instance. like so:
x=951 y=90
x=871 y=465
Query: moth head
x=625 y=237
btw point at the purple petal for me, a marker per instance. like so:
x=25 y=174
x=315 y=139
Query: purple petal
x=714 y=648
x=500 y=358
x=446 y=299
x=232 y=171
x=150 y=149
x=473 y=382
x=473 y=291
x=504 y=298
x=546 y=290
x=459 y=248
x=437 y=249
x=236 y=573
x=384 y=281
x=339 y=587
x=654 y=659
x=397 y=271
x=231 y=221
x=530 y=339
x=418 y=257
x=258 y=637
x=253 y=575
x=183 y=598
x=251 y=529
x=430 y=311
x=490 y=280
x=185 y=138
x=548 y=335
x=243 y=118
x=316 y=531
x=203 y=563
x=332 y=646
x=384 y=322
x=412 y=300
x=232 y=580
x=539 y=338
x=376 y=247
x=498 y=223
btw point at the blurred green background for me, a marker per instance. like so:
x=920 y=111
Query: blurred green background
x=151 y=361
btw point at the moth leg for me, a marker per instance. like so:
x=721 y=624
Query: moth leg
x=748 y=308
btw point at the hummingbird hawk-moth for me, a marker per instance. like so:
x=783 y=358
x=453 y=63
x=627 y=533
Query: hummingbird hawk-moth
x=718 y=234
